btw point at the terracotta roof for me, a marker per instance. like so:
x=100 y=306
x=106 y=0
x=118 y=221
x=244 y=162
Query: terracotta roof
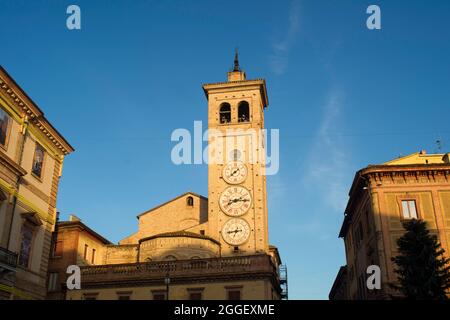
x=163 y=204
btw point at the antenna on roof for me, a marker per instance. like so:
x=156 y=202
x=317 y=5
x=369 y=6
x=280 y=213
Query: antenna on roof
x=439 y=145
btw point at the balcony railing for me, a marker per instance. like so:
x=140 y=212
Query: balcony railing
x=8 y=258
x=261 y=264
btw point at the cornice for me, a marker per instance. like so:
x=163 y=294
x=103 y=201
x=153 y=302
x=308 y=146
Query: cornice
x=258 y=83
x=155 y=281
x=31 y=110
x=379 y=173
x=178 y=234
x=80 y=226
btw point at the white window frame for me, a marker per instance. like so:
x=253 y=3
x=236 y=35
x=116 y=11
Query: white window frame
x=409 y=209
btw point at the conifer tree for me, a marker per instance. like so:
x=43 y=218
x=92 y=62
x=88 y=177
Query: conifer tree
x=422 y=270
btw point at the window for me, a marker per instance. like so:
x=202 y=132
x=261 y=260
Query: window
x=159 y=295
x=25 y=245
x=85 y=251
x=235 y=155
x=243 y=112
x=190 y=201
x=409 y=209
x=170 y=258
x=93 y=256
x=368 y=222
x=358 y=236
x=195 y=295
x=5 y=121
x=124 y=295
x=225 y=113
x=202 y=232
x=57 y=249
x=53 y=284
x=234 y=294
x=38 y=161
x=90 y=296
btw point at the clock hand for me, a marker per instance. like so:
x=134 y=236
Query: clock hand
x=237 y=200
x=233 y=201
x=232 y=174
x=234 y=231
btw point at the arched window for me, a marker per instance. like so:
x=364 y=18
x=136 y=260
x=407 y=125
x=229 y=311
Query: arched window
x=195 y=257
x=243 y=112
x=170 y=258
x=225 y=113
x=190 y=201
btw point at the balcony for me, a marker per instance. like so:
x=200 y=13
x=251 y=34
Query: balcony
x=8 y=259
x=182 y=270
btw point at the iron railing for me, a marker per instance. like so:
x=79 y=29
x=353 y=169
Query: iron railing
x=8 y=258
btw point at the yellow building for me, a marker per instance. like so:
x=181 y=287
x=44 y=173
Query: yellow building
x=193 y=247
x=381 y=197
x=31 y=159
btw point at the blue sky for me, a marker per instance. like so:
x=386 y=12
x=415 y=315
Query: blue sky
x=341 y=95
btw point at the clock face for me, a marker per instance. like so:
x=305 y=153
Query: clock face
x=235 y=201
x=236 y=231
x=234 y=172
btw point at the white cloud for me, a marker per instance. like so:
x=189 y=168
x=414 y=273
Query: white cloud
x=280 y=48
x=329 y=169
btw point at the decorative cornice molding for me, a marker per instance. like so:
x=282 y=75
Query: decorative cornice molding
x=32 y=111
x=258 y=83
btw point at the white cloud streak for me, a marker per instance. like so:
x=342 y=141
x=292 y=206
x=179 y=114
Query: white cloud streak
x=328 y=158
x=279 y=58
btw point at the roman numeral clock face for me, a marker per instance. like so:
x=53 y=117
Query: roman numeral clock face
x=236 y=231
x=235 y=201
x=234 y=172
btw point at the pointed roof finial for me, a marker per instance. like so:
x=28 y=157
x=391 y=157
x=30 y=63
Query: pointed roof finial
x=236 y=61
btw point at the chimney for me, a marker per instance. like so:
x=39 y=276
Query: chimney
x=423 y=152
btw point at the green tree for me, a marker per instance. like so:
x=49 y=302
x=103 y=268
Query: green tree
x=422 y=270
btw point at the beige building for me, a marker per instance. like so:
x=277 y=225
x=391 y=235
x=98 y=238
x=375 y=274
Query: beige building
x=31 y=159
x=74 y=244
x=381 y=197
x=193 y=247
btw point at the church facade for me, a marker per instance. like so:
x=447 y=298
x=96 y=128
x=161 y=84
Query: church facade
x=196 y=247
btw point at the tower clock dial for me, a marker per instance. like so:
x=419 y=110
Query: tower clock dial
x=236 y=231
x=234 y=172
x=235 y=201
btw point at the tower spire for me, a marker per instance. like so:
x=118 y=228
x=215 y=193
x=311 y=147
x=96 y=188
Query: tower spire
x=236 y=61
x=236 y=74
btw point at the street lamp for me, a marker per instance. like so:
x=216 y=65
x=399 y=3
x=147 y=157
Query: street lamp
x=167 y=282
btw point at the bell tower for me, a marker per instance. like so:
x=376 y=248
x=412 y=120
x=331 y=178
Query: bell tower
x=237 y=198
